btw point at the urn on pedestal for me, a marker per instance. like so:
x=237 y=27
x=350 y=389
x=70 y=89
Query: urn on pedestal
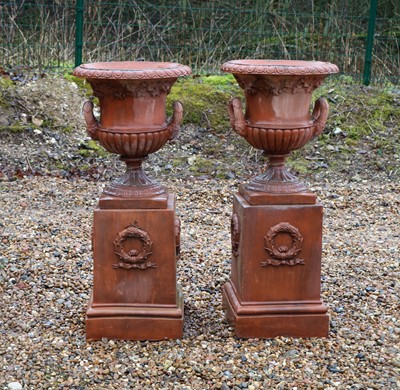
x=274 y=288
x=135 y=230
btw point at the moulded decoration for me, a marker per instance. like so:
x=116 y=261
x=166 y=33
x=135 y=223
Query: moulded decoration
x=283 y=254
x=235 y=235
x=133 y=259
x=177 y=225
x=279 y=67
x=131 y=70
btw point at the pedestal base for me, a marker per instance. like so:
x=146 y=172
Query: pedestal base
x=272 y=319
x=274 y=287
x=135 y=294
x=130 y=322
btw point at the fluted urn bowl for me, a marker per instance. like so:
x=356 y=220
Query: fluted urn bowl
x=133 y=121
x=278 y=119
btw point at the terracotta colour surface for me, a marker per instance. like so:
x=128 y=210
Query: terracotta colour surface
x=276 y=226
x=133 y=121
x=132 y=70
x=278 y=118
x=279 y=67
x=136 y=234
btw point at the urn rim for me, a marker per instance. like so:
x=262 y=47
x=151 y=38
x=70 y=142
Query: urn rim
x=279 y=67
x=132 y=70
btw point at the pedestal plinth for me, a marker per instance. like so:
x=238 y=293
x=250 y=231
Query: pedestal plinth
x=274 y=288
x=135 y=294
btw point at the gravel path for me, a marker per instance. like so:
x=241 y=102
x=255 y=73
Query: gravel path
x=46 y=277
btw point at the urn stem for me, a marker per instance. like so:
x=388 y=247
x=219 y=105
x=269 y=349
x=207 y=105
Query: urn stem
x=276 y=179
x=135 y=182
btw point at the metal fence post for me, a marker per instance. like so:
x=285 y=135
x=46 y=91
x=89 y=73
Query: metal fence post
x=78 y=32
x=370 y=42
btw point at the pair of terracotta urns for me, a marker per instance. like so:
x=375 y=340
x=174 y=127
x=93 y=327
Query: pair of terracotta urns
x=275 y=209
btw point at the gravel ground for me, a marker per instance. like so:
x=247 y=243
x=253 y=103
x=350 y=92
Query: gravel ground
x=48 y=190
x=46 y=276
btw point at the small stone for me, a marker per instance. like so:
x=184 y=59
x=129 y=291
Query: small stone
x=15 y=386
x=337 y=131
x=292 y=353
x=334 y=368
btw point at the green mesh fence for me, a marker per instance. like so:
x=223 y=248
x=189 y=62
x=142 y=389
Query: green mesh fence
x=37 y=35
x=202 y=34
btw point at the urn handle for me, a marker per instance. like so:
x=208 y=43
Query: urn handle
x=236 y=116
x=320 y=115
x=92 y=123
x=174 y=124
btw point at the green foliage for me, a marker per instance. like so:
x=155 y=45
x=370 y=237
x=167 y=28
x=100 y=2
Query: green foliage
x=360 y=111
x=5 y=85
x=200 y=166
x=14 y=128
x=91 y=148
x=205 y=100
x=82 y=84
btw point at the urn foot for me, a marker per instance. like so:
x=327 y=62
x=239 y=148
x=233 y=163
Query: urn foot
x=276 y=179
x=134 y=183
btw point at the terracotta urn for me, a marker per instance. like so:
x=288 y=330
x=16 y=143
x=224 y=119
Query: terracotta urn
x=133 y=121
x=278 y=120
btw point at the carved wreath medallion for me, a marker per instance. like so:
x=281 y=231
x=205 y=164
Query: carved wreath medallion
x=177 y=225
x=235 y=235
x=133 y=259
x=280 y=253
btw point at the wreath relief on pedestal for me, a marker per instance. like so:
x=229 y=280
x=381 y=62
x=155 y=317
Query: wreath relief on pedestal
x=283 y=242
x=134 y=258
x=177 y=225
x=235 y=235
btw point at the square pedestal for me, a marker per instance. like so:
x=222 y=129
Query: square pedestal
x=135 y=294
x=274 y=288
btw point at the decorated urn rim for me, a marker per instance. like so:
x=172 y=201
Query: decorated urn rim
x=279 y=67
x=132 y=70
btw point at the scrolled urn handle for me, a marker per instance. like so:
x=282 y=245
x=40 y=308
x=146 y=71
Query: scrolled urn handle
x=92 y=123
x=320 y=115
x=236 y=116
x=174 y=124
